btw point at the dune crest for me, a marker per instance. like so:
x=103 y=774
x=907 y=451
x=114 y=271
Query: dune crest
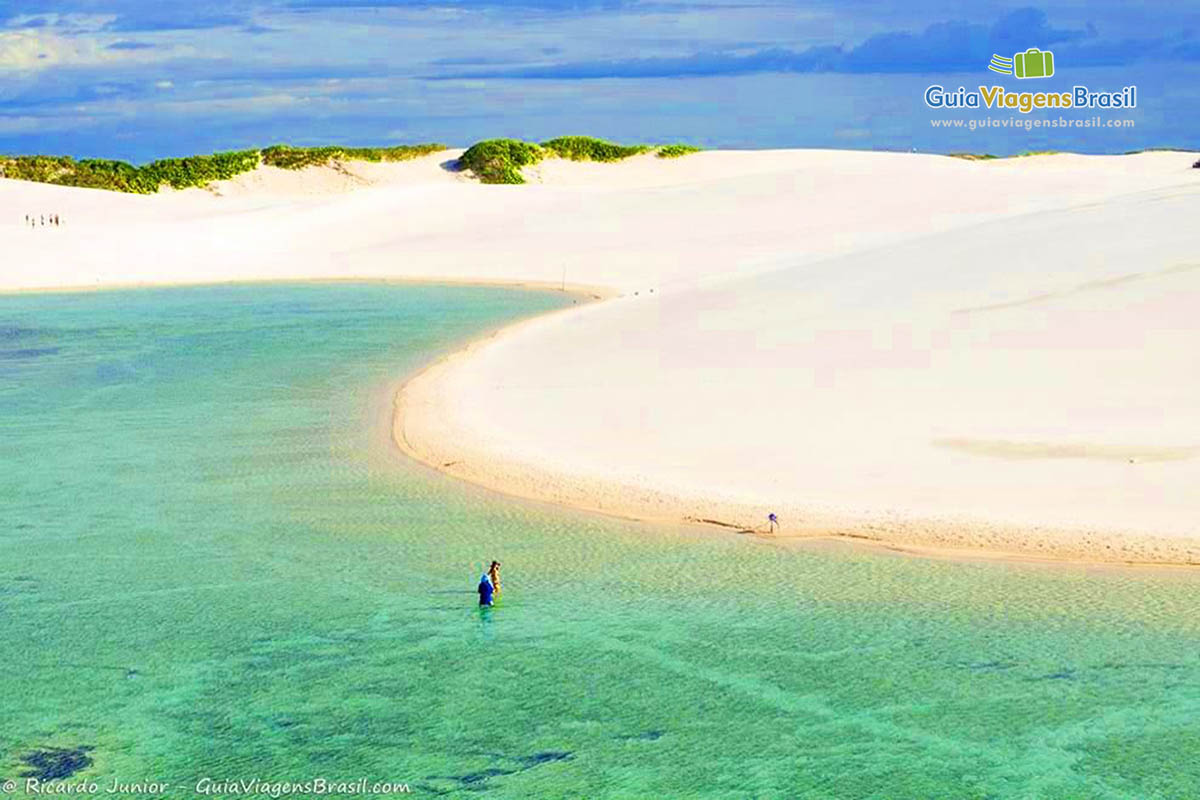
x=913 y=349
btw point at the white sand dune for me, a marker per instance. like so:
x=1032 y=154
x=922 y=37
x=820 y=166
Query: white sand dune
x=917 y=349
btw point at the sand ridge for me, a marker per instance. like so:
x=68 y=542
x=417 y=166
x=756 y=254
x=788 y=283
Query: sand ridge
x=910 y=349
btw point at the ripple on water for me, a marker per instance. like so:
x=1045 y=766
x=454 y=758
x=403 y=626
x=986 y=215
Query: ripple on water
x=219 y=522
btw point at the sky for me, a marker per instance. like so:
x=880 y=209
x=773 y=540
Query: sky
x=145 y=79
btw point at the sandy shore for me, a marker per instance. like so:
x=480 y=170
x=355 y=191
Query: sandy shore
x=916 y=350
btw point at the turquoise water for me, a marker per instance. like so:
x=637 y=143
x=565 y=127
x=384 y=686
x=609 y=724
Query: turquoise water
x=212 y=565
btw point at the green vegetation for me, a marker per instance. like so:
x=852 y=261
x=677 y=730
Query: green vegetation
x=500 y=160
x=184 y=173
x=288 y=157
x=676 y=150
x=989 y=156
x=94 y=173
x=1180 y=150
x=1158 y=150
x=973 y=156
x=492 y=161
x=586 y=148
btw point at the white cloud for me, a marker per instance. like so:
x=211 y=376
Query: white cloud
x=42 y=124
x=64 y=23
x=245 y=104
x=35 y=49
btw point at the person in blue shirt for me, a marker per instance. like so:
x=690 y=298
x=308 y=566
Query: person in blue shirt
x=485 y=590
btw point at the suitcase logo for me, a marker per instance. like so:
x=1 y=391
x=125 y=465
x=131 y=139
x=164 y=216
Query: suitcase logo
x=1033 y=63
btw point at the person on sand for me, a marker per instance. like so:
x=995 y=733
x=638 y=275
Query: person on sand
x=494 y=575
x=485 y=590
x=772 y=522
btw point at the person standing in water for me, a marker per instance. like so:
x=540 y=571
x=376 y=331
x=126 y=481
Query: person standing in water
x=494 y=576
x=485 y=590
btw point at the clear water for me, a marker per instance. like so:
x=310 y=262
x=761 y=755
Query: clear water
x=212 y=565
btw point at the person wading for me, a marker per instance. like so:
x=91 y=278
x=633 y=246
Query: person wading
x=485 y=590
x=494 y=576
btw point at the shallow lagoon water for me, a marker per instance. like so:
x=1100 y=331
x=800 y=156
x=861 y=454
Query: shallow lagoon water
x=212 y=565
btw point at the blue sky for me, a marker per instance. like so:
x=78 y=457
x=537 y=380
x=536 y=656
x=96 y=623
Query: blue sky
x=140 y=79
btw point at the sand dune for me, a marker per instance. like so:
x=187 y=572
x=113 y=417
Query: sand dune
x=916 y=349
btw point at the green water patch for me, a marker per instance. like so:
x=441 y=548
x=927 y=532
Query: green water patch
x=214 y=566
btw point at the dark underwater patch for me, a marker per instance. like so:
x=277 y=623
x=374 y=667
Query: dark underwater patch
x=28 y=353
x=55 y=763
x=544 y=757
x=477 y=781
x=988 y=666
x=9 y=333
x=18 y=584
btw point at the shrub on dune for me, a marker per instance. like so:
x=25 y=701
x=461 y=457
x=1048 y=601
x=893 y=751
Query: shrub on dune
x=98 y=173
x=676 y=150
x=184 y=173
x=40 y=169
x=500 y=160
x=401 y=152
x=587 y=148
x=491 y=160
x=991 y=157
x=288 y=157
x=119 y=176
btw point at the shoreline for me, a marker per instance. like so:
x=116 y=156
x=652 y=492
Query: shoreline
x=591 y=293
x=415 y=432
x=661 y=508
x=890 y=348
